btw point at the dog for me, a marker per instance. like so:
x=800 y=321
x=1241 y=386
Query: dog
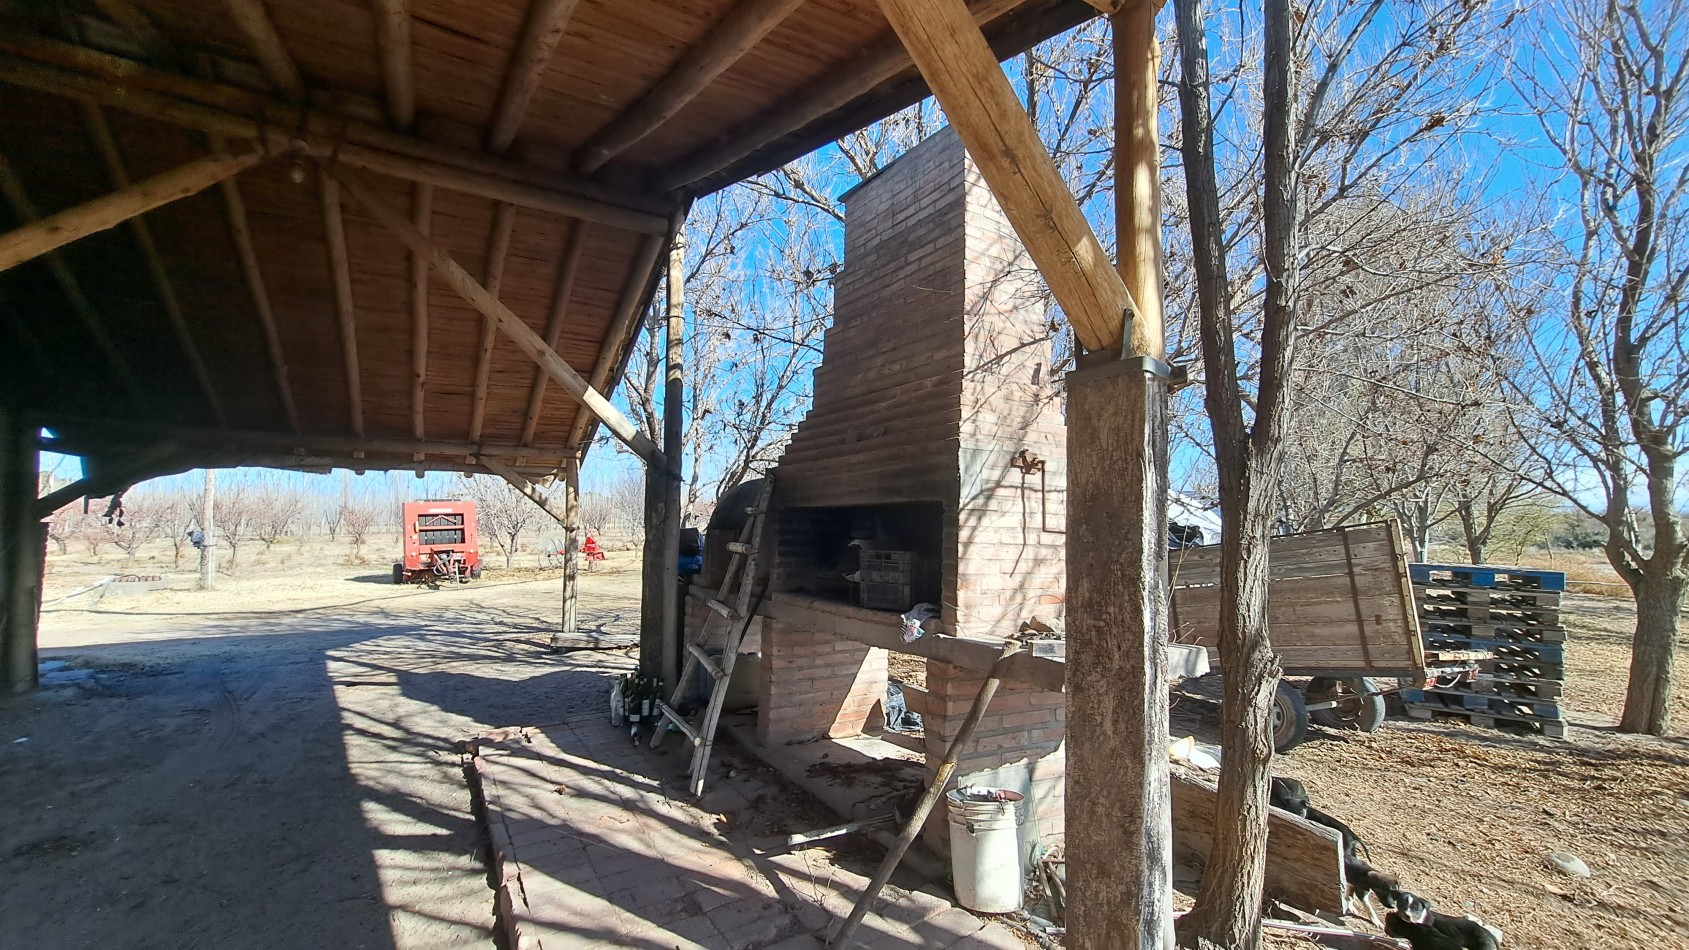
x=1290 y=795
x=1365 y=883
x=1425 y=929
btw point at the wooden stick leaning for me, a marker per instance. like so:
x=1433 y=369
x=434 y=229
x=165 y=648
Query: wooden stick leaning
x=894 y=857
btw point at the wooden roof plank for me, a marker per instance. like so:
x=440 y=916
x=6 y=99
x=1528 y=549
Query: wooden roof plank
x=422 y=216
x=393 y=39
x=267 y=45
x=504 y=223
x=100 y=130
x=334 y=225
x=546 y=23
x=568 y=268
x=743 y=28
x=512 y=326
x=241 y=228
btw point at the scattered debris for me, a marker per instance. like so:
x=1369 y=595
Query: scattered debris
x=1568 y=863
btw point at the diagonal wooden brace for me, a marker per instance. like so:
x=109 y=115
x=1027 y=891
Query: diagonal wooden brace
x=524 y=336
x=55 y=231
x=958 y=65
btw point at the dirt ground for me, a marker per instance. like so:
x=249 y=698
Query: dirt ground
x=1466 y=816
x=274 y=764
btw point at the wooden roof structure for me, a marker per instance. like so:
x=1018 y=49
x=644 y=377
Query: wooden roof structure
x=385 y=233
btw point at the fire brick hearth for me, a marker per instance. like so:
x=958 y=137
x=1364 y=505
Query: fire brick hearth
x=931 y=468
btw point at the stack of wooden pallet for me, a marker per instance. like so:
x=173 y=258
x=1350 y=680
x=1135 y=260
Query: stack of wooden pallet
x=1512 y=613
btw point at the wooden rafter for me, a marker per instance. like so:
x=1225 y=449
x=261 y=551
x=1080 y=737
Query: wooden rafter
x=267 y=45
x=80 y=433
x=498 y=246
x=80 y=73
x=100 y=130
x=617 y=342
x=334 y=225
x=530 y=342
x=393 y=39
x=547 y=21
x=240 y=229
x=11 y=187
x=139 y=26
x=872 y=67
x=738 y=32
x=568 y=267
x=41 y=235
x=977 y=98
x=422 y=215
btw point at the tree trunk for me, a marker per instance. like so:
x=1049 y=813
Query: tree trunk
x=1659 y=599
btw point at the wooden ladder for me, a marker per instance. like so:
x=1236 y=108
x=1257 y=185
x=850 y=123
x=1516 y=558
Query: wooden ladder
x=741 y=571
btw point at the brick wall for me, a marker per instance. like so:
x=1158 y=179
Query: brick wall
x=1020 y=744
x=816 y=685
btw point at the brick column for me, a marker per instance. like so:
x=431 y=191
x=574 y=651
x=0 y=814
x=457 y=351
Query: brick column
x=1019 y=745
x=816 y=685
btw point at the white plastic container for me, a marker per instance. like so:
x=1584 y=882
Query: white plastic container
x=985 y=854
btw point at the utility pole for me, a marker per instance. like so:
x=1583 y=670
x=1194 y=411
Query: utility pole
x=208 y=528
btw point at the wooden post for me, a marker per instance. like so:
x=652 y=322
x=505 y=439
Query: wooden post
x=571 y=547
x=22 y=548
x=673 y=396
x=208 y=527
x=1119 y=821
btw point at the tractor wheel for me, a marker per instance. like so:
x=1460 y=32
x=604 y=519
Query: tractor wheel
x=1290 y=717
x=1355 y=709
x=398 y=573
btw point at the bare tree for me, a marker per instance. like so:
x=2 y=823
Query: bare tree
x=1614 y=342
x=358 y=517
x=502 y=513
x=233 y=511
x=277 y=508
x=64 y=526
x=1248 y=458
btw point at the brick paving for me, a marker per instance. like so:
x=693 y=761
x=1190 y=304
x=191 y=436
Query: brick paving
x=596 y=844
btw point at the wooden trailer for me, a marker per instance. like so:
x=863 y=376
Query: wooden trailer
x=1340 y=608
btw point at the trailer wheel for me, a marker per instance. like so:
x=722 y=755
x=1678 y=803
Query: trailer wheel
x=1290 y=717
x=1356 y=709
x=398 y=573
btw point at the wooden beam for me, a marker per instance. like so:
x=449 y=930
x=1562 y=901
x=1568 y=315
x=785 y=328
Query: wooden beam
x=569 y=265
x=498 y=246
x=61 y=69
x=736 y=34
x=118 y=171
x=11 y=187
x=422 y=214
x=618 y=342
x=340 y=269
x=547 y=21
x=1304 y=859
x=267 y=45
x=524 y=336
x=1137 y=167
x=393 y=39
x=520 y=482
x=139 y=26
x=42 y=235
x=240 y=229
x=979 y=101
x=75 y=435
x=875 y=65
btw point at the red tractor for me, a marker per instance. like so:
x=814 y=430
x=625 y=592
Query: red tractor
x=441 y=543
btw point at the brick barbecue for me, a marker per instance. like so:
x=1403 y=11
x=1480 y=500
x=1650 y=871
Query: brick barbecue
x=936 y=377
